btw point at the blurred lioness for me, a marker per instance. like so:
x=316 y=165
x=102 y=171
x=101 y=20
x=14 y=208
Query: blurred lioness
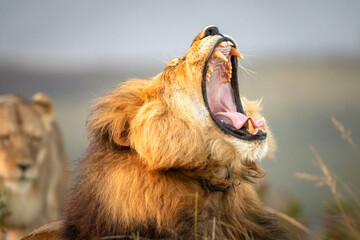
x=34 y=174
x=160 y=148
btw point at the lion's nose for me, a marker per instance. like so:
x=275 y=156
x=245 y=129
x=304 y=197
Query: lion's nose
x=24 y=166
x=211 y=30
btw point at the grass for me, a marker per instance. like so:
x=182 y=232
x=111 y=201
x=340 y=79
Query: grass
x=294 y=222
x=195 y=215
x=342 y=215
x=346 y=206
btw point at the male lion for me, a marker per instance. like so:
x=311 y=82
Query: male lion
x=163 y=147
x=33 y=166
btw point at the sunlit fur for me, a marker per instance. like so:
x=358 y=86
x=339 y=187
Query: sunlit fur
x=152 y=147
x=29 y=135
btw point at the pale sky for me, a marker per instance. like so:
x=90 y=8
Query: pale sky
x=86 y=31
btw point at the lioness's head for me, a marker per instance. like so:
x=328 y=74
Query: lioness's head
x=190 y=111
x=24 y=128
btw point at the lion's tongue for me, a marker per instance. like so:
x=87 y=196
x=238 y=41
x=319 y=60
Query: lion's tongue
x=222 y=103
x=232 y=118
x=221 y=97
x=237 y=119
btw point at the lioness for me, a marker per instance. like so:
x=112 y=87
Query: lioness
x=173 y=157
x=33 y=166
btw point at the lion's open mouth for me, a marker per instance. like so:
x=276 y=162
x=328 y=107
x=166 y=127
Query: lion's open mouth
x=221 y=94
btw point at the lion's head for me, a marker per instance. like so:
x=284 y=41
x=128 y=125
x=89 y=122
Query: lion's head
x=209 y=71
x=23 y=136
x=188 y=114
x=155 y=143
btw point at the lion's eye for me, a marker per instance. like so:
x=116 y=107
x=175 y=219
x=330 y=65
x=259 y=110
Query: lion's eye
x=4 y=139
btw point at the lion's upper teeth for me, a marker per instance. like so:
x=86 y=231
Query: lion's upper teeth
x=235 y=52
x=223 y=68
x=218 y=54
x=228 y=71
x=222 y=44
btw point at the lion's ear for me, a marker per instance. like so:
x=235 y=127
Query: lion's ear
x=111 y=115
x=121 y=142
x=43 y=104
x=122 y=138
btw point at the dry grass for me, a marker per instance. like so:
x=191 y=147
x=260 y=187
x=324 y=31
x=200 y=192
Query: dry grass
x=346 y=134
x=195 y=215
x=331 y=180
x=294 y=222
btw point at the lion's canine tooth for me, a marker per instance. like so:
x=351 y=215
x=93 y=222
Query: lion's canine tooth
x=230 y=43
x=220 y=55
x=235 y=52
x=222 y=44
x=264 y=126
x=251 y=127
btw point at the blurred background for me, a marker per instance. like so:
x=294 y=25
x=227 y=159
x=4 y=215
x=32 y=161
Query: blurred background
x=301 y=57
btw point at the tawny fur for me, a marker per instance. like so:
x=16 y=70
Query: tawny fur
x=30 y=136
x=153 y=148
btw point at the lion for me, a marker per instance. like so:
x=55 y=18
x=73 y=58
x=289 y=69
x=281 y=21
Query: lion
x=34 y=175
x=174 y=156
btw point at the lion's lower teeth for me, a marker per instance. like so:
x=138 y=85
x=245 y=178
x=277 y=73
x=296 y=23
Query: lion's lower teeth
x=264 y=126
x=251 y=127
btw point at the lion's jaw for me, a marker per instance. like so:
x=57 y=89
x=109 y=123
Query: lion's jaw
x=210 y=86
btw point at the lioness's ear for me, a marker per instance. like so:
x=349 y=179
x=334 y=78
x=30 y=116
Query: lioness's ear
x=43 y=104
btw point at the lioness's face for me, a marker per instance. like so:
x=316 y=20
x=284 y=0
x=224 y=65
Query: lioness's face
x=211 y=70
x=22 y=140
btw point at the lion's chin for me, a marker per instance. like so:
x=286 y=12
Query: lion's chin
x=250 y=151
